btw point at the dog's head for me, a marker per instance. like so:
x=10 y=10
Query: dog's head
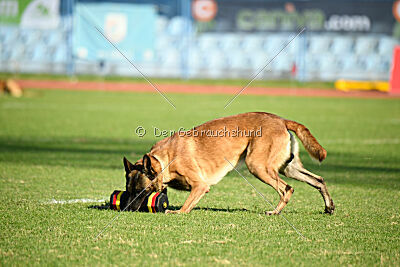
x=140 y=180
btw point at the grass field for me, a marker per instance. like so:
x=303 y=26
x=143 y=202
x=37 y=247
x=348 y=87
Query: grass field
x=67 y=145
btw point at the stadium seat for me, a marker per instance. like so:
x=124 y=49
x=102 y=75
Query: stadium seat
x=294 y=47
x=312 y=63
x=351 y=64
x=216 y=60
x=373 y=63
x=161 y=24
x=17 y=52
x=55 y=38
x=10 y=35
x=166 y=41
x=259 y=58
x=319 y=44
x=328 y=63
x=60 y=54
x=342 y=45
x=365 y=45
x=29 y=37
x=40 y=54
x=207 y=42
x=252 y=42
x=170 y=58
x=230 y=41
x=386 y=46
x=275 y=42
x=238 y=60
x=178 y=25
x=196 y=59
x=283 y=64
x=5 y=54
x=163 y=41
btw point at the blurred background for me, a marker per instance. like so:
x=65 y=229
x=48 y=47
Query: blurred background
x=201 y=38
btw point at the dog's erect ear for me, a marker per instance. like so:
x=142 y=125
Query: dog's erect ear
x=147 y=164
x=128 y=166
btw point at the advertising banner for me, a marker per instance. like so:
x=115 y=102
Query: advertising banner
x=318 y=16
x=130 y=27
x=34 y=14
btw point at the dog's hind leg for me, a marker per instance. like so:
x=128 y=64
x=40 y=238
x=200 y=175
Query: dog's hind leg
x=263 y=166
x=296 y=171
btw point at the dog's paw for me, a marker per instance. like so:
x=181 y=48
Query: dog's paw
x=329 y=210
x=172 y=211
x=269 y=213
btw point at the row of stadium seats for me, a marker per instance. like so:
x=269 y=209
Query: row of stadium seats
x=168 y=30
x=273 y=42
x=32 y=45
x=222 y=54
x=323 y=53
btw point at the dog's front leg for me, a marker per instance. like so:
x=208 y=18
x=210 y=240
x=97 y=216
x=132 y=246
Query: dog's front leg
x=197 y=192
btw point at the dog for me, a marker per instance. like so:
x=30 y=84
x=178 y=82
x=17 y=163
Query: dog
x=195 y=160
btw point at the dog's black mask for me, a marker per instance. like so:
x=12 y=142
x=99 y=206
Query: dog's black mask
x=138 y=182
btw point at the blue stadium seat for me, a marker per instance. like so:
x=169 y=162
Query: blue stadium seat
x=207 y=42
x=166 y=41
x=283 y=63
x=170 y=58
x=238 y=60
x=386 y=64
x=328 y=63
x=351 y=64
x=5 y=54
x=252 y=42
x=386 y=46
x=275 y=42
x=216 y=62
x=312 y=62
x=9 y=35
x=196 y=59
x=230 y=41
x=373 y=63
x=178 y=25
x=55 y=38
x=161 y=24
x=40 y=53
x=258 y=59
x=294 y=47
x=319 y=44
x=17 y=52
x=163 y=41
x=29 y=37
x=60 y=54
x=342 y=44
x=365 y=45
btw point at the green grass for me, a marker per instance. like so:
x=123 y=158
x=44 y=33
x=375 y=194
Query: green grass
x=69 y=145
x=231 y=82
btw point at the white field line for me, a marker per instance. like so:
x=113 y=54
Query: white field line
x=72 y=201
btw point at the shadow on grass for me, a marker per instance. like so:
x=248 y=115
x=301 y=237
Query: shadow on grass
x=106 y=206
x=80 y=152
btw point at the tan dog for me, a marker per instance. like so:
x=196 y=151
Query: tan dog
x=199 y=158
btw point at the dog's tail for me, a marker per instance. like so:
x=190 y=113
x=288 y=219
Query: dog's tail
x=311 y=144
